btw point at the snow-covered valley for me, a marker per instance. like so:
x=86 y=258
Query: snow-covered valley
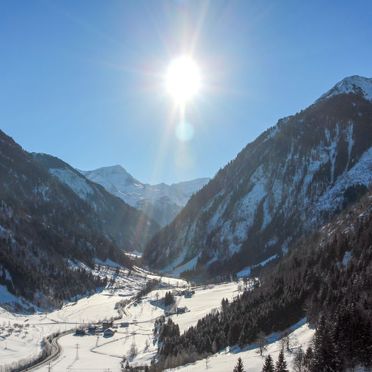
x=21 y=336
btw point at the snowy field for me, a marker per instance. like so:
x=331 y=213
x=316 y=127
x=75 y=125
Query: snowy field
x=94 y=351
x=20 y=335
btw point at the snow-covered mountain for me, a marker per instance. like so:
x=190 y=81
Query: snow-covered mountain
x=287 y=182
x=161 y=202
x=129 y=228
x=52 y=216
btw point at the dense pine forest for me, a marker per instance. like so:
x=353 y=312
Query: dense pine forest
x=326 y=278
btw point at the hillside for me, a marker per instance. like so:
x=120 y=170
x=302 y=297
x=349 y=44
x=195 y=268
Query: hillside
x=126 y=226
x=325 y=278
x=288 y=182
x=49 y=232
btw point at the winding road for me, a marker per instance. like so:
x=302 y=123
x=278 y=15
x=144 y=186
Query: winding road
x=55 y=352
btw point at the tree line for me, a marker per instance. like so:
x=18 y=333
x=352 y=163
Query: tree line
x=315 y=280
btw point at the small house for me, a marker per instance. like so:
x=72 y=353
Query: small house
x=92 y=329
x=124 y=324
x=108 y=332
x=181 y=310
x=169 y=312
x=79 y=332
x=107 y=324
x=188 y=294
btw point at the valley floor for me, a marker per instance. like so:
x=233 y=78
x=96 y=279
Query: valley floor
x=20 y=335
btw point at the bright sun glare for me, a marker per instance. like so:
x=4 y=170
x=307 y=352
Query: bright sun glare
x=183 y=79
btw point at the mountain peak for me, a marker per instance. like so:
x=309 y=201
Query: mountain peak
x=352 y=84
x=112 y=168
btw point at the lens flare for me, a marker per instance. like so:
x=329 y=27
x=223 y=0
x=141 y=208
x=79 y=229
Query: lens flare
x=184 y=131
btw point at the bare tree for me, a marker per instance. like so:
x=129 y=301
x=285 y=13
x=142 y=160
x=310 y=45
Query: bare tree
x=147 y=345
x=133 y=350
x=261 y=342
x=285 y=341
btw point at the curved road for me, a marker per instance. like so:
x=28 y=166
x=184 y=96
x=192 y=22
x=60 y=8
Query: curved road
x=56 y=350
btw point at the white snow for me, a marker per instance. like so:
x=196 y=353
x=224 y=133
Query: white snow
x=253 y=362
x=360 y=173
x=346 y=259
x=6 y=296
x=119 y=182
x=107 y=262
x=20 y=335
x=97 y=352
x=24 y=341
x=244 y=272
x=74 y=181
x=186 y=266
x=353 y=84
x=247 y=270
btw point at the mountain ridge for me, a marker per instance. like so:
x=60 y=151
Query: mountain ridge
x=45 y=224
x=292 y=177
x=161 y=202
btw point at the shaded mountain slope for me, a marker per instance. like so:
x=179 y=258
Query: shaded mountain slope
x=47 y=230
x=326 y=277
x=126 y=226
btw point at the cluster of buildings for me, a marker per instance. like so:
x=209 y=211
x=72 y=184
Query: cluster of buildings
x=106 y=329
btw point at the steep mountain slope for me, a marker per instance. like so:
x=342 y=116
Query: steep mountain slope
x=49 y=233
x=160 y=202
x=326 y=278
x=287 y=182
x=125 y=225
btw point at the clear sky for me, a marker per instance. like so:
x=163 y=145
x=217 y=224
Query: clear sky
x=83 y=80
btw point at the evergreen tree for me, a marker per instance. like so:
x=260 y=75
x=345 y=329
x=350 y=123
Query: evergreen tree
x=239 y=366
x=325 y=357
x=311 y=277
x=298 y=360
x=308 y=358
x=281 y=364
x=269 y=364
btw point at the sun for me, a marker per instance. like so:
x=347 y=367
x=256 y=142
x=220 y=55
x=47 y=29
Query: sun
x=183 y=79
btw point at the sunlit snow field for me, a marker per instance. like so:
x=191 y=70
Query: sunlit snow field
x=97 y=353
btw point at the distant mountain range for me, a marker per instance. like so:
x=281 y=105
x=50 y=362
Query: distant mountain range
x=289 y=181
x=160 y=202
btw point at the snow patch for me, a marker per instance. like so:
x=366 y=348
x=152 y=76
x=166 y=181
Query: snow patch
x=353 y=84
x=6 y=296
x=247 y=270
x=108 y=262
x=360 y=173
x=76 y=183
x=346 y=259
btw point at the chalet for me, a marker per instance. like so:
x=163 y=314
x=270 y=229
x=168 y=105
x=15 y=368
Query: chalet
x=188 y=293
x=181 y=310
x=107 y=324
x=79 y=332
x=108 y=332
x=92 y=329
x=169 y=312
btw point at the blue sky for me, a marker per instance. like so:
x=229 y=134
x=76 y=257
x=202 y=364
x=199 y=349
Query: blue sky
x=82 y=80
